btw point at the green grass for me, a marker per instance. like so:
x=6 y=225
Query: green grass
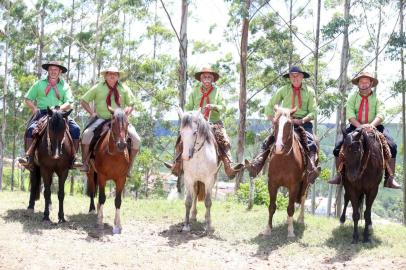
x=319 y=236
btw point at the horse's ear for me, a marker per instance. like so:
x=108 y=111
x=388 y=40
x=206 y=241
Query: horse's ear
x=180 y=112
x=66 y=114
x=49 y=111
x=111 y=110
x=292 y=111
x=343 y=131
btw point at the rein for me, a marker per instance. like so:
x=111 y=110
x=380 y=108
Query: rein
x=111 y=134
x=193 y=150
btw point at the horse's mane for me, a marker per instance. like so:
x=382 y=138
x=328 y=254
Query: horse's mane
x=120 y=115
x=204 y=126
x=57 y=122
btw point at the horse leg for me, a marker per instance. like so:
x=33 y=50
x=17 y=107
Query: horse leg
x=91 y=187
x=102 y=200
x=291 y=211
x=117 y=202
x=194 y=209
x=61 y=195
x=273 y=191
x=35 y=180
x=369 y=200
x=188 y=205
x=355 y=218
x=343 y=214
x=47 y=197
x=207 y=203
x=300 y=219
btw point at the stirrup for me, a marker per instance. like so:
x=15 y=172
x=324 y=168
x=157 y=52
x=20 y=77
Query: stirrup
x=168 y=165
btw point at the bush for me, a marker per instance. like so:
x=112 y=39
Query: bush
x=261 y=194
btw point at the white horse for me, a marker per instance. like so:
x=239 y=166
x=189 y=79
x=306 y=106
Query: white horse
x=199 y=164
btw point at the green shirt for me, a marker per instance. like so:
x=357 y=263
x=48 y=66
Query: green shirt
x=37 y=93
x=283 y=97
x=98 y=93
x=375 y=107
x=215 y=98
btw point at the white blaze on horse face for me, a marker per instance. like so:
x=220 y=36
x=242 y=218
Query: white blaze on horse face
x=188 y=140
x=279 y=138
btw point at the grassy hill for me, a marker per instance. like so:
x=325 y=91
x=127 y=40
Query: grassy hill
x=151 y=238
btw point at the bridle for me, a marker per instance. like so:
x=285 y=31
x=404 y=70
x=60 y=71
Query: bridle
x=193 y=150
x=291 y=134
x=113 y=137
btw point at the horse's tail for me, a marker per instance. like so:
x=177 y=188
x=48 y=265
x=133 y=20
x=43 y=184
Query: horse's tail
x=92 y=183
x=200 y=190
x=35 y=181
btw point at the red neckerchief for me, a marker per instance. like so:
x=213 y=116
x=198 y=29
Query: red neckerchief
x=361 y=108
x=296 y=92
x=52 y=84
x=113 y=90
x=205 y=94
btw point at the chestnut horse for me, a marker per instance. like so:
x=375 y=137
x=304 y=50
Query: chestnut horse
x=199 y=164
x=54 y=154
x=363 y=171
x=286 y=168
x=112 y=162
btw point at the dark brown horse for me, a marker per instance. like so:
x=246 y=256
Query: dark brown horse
x=111 y=162
x=286 y=168
x=363 y=171
x=54 y=154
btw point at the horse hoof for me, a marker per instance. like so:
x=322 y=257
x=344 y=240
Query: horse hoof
x=193 y=219
x=93 y=212
x=366 y=241
x=291 y=235
x=186 y=228
x=354 y=241
x=116 y=230
x=30 y=210
x=46 y=220
x=267 y=231
x=61 y=220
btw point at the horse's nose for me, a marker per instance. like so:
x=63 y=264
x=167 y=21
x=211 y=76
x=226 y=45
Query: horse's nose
x=121 y=145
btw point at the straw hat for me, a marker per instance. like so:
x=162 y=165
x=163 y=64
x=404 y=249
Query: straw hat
x=207 y=70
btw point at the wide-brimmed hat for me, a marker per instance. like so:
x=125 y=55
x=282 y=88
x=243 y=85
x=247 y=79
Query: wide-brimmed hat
x=207 y=70
x=365 y=74
x=54 y=63
x=114 y=70
x=295 y=69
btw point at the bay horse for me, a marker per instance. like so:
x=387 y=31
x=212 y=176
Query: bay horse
x=54 y=154
x=199 y=157
x=111 y=162
x=363 y=171
x=286 y=168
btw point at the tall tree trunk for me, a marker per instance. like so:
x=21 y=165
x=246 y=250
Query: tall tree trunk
x=14 y=139
x=71 y=39
x=41 y=45
x=402 y=70
x=121 y=53
x=378 y=36
x=97 y=40
x=183 y=55
x=5 y=86
x=342 y=89
x=243 y=91
x=290 y=33
x=316 y=85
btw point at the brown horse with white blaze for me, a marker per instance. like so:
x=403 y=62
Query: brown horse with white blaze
x=112 y=161
x=286 y=168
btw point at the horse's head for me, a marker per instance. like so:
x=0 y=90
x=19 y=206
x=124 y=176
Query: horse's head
x=283 y=129
x=56 y=130
x=354 y=149
x=119 y=128
x=194 y=131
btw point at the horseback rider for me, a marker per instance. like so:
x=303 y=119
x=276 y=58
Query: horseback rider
x=208 y=99
x=49 y=92
x=294 y=94
x=108 y=92
x=365 y=110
